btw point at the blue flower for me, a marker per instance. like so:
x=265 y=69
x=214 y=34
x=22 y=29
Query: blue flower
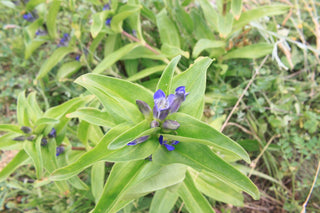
x=108 y=21
x=163 y=105
x=52 y=133
x=77 y=58
x=168 y=145
x=28 y=17
x=59 y=150
x=44 y=141
x=64 y=41
x=106 y=7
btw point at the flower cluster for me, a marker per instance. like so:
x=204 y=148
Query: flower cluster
x=64 y=41
x=163 y=106
x=28 y=17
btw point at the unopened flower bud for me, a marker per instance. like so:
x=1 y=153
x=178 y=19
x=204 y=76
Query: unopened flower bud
x=138 y=140
x=144 y=108
x=19 y=138
x=154 y=124
x=170 y=125
x=52 y=133
x=31 y=137
x=44 y=141
x=59 y=150
x=26 y=129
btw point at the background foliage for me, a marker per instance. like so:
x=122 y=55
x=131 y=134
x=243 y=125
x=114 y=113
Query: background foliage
x=276 y=121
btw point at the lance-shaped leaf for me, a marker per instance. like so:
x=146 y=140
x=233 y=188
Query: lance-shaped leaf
x=52 y=17
x=163 y=201
x=200 y=157
x=165 y=80
x=97 y=179
x=93 y=116
x=101 y=153
x=168 y=30
x=54 y=59
x=193 y=199
x=139 y=130
x=121 y=177
x=193 y=130
x=8 y=142
x=114 y=57
x=204 y=44
x=251 y=51
x=124 y=12
x=34 y=152
x=17 y=161
x=10 y=128
x=217 y=189
x=116 y=95
x=166 y=176
x=194 y=79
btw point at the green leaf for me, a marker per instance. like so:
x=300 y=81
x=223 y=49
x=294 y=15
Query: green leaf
x=166 y=176
x=251 y=15
x=93 y=116
x=193 y=130
x=210 y=14
x=17 y=161
x=121 y=177
x=52 y=17
x=48 y=154
x=33 y=149
x=143 y=52
x=114 y=57
x=100 y=152
x=35 y=109
x=129 y=135
x=165 y=80
x=68 y=69
x=54 y=59
x=252 y=51
x=22 y=114
x=225 y=24
x=192 y=198
x=61 y=110
x=10 y=128
x=33 y=3
x=124 y=12
x=184 y=19
x=98 y=21
x=33 y=45
x=236 y=7
x=77 y=183
x=7 y=142
x=95 y=43
x=167 y=29
x=217 y=189
x=163 y=201
x=204 y=44
x=8 y=4
x=146 y=72
x=97 y=179
x=194 y=79
x=200 y=157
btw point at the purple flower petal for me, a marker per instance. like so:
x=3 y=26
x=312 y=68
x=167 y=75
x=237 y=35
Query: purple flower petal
x=161 y=139
x=169 y=147
x=174 y=142
x=159 y=94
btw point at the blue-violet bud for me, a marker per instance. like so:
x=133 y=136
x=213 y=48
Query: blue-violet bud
x=26 y=129
x=144 y=108
x=59 y=150
x=138 y=140
x=44 y=141
x=170 y=125
x=19 y=138
x=52 y=133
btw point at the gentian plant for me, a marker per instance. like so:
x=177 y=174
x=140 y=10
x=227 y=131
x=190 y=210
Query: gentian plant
x=156 y=141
